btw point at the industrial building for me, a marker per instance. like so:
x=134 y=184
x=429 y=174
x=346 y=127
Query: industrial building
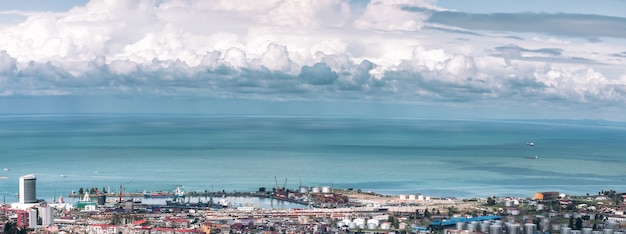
x=546 y=196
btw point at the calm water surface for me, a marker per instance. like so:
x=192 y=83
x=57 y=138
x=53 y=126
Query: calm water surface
x=457 y=158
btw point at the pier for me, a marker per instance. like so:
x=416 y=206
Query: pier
x=190 y=194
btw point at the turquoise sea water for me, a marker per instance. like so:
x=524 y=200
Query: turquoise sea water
x=458 y=158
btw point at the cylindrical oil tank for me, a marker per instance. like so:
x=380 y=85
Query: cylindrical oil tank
x=539 y=207
x=495 y=229
x=596 y=232
x=340 y=224
x=530 y=228
x=352 y=225
x=412 y=197
x=484 y=226
x=420 y=197
x=359 y=221
x=607 y=231
x=371 y=226
x=402 y=196
x=460 y=226
x=508 y=203
x=374 y=221
x=315 y=189
x=544 y=225
x=325 y=189
x=304 y=189
x=587 y=231
x=566 y=230
x=555 y=227
x=575 y=232
x=472 y=226
x=612 y=225
x=513 y=228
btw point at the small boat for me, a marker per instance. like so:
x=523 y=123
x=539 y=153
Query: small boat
x=530 y=144
x=532 y=157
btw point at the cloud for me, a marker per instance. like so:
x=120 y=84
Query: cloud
x=396 y=51
x=576 y=25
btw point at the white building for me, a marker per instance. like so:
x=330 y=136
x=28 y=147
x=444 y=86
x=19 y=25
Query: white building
x=46 y=213
x=28 y=189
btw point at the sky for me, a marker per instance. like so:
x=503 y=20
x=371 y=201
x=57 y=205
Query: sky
x=381 y=58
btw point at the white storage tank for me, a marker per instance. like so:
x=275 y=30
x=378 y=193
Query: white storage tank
x=484 y=226
x=508 y=203
x=373 y=221
x=359 y=221
x=566 y=230
x=539 y=207
x=612 y=225
x=460 y=226
x=325 y=189
x=495 y=229
x=402 y=196
x=352 y=225
x=512 y=228
x=530 y=228
x=587 y=231
x=304 y=189
x=412 y=197
x=472 y=226
x=340 y=224
x=371 y=226
x=420 y=197
x=315 y=189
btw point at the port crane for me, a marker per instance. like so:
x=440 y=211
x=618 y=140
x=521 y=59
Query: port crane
x=280 y=192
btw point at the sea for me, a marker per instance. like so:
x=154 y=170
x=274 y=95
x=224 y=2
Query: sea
x=457 y=158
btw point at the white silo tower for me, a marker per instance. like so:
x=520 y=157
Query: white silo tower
x=28 y=189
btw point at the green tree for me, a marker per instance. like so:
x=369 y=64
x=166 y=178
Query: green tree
x=579 y=223
x=491 y=201
x=81 y=191
x=426 y=213
x=571 y=222
x=10 y=228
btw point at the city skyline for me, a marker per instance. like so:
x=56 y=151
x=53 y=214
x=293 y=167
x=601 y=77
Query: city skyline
x=440 y=59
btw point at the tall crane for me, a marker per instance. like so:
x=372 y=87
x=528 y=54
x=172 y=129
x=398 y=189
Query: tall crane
x=280 y=192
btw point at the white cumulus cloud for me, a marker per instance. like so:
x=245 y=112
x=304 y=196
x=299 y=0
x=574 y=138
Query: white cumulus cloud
x=386 y=50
